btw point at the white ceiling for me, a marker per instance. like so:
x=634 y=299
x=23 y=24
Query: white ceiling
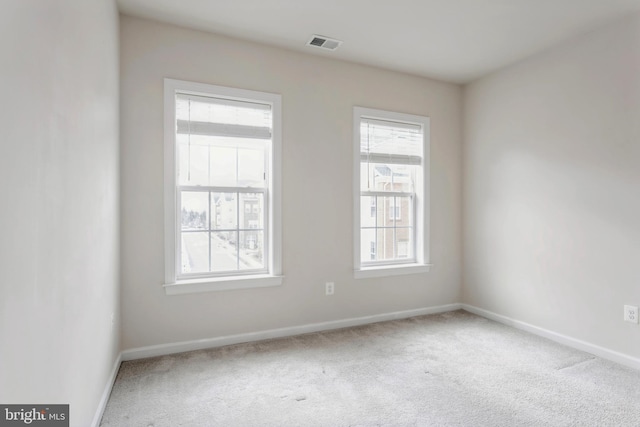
x=452 y=40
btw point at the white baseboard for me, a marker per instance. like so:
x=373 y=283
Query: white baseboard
x=107 y=392
x=594 y=349
x=180 y=347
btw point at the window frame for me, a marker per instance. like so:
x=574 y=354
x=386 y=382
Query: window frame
x=272 y=275
x=419 y=263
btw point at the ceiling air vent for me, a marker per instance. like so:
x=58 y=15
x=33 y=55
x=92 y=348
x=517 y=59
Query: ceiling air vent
x=323 y=42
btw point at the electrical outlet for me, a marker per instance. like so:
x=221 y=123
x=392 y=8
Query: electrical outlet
x=630 y=314
x=329 y=288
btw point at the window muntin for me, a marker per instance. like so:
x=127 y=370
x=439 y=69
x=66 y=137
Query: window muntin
x=391 y=191
x=220 y=178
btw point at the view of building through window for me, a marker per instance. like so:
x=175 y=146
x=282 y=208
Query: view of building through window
x=387 y=224
x=233 y=239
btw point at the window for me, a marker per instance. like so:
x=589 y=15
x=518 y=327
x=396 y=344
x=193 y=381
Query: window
x=222 y=213
x=394 y=209
x=391 y=198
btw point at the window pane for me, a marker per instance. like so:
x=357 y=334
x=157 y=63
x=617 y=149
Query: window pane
x=225 y=211
x=367 y=176
x=251 y=211
x=251 y=167
x=403 y=250
x=194 y=210
x=386 y=211
x=394 y=209
x=193 y=167
x=223 y=166
x=404 y=242
x=368 y=247
x=194 y=252
x=387 y=177
x=366 y=182
x=224 y=253
x=402 y=177
x=368 y=211
x=403 y=211
x=385 y=244
x=251 y=250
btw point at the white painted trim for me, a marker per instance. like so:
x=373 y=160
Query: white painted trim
x=180 y=347
x=275 y=187
x=97 y=418
x=357 y=245
x=221 y=284
x=170 y=239
x=596 y=350
x=391 y=270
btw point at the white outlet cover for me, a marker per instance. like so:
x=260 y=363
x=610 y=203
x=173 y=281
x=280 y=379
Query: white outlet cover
x=631 y=314
x=329 y=288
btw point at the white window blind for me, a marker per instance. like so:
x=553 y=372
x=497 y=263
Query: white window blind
x=209 y=116
x=390 y=142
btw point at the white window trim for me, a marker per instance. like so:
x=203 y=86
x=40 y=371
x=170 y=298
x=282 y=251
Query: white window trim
x=422 y=220
x=274 y=277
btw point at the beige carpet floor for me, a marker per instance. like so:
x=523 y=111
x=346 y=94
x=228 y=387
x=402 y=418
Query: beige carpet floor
x=451 y=369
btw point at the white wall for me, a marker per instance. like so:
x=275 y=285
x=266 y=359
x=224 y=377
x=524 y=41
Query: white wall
x=318 y=96
x=551 y=188
x=59 y=217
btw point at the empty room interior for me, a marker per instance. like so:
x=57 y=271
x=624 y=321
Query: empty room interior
x=321 y=213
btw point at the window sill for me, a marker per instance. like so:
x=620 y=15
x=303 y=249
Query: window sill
x=391 y=270
x=193 y=286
